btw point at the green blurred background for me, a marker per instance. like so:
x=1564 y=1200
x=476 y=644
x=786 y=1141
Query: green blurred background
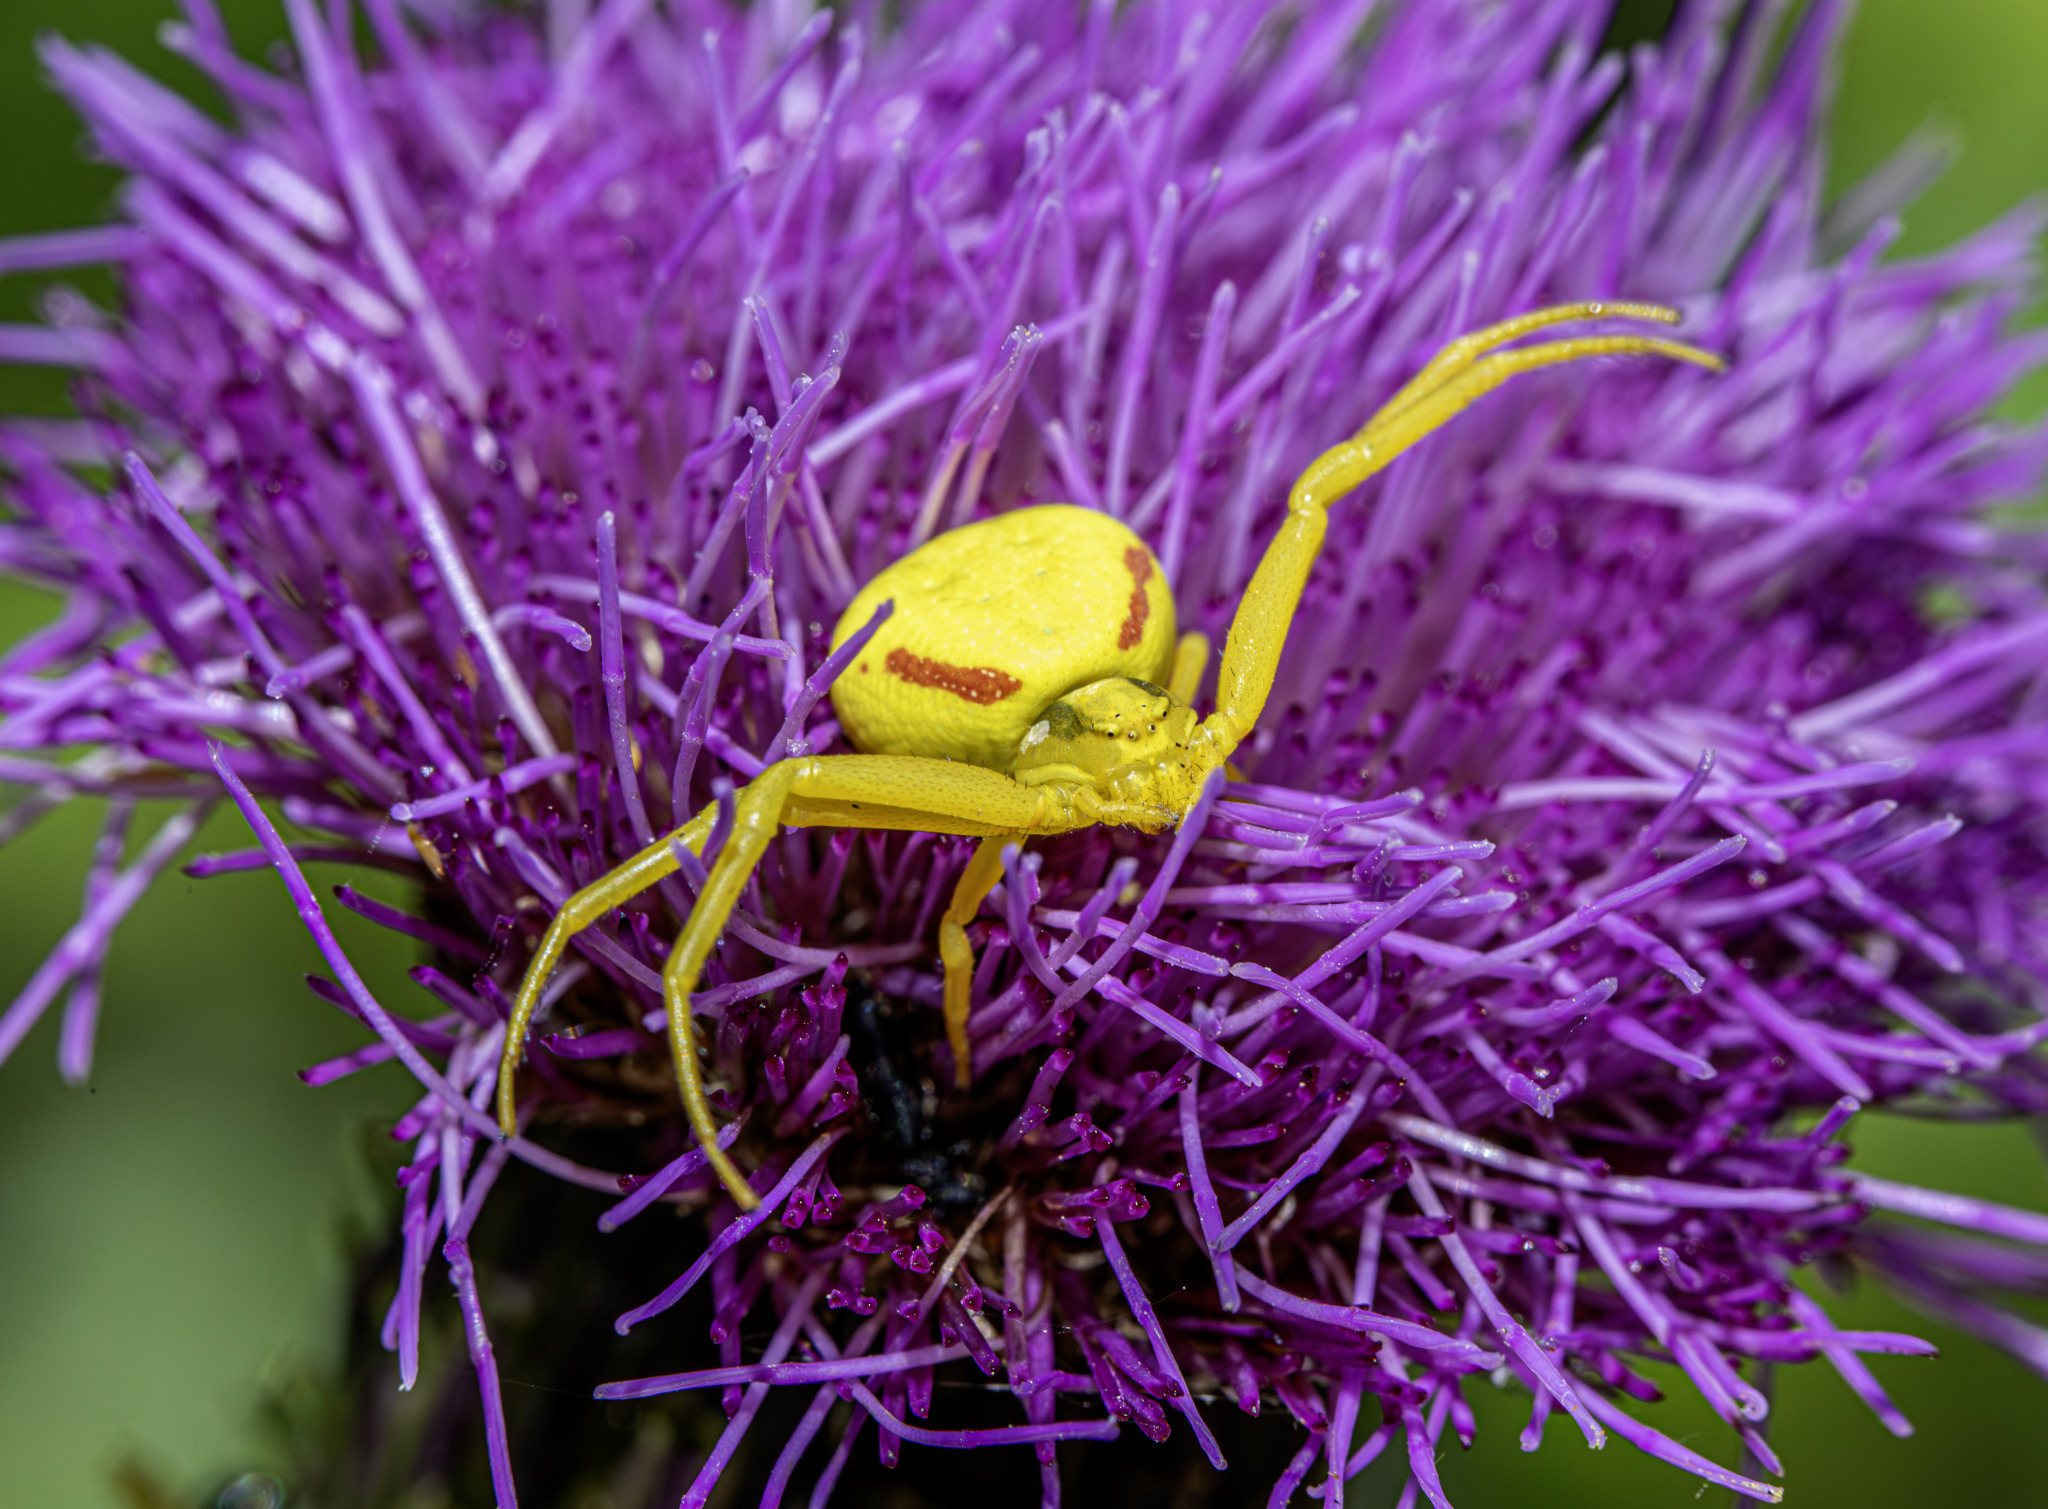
x=171 y=1237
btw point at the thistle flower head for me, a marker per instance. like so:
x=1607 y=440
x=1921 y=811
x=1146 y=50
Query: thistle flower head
x=496 y=424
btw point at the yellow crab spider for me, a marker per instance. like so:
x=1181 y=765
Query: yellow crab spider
x=1030 y=682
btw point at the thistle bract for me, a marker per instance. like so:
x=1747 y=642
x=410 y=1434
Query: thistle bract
x=499 y=415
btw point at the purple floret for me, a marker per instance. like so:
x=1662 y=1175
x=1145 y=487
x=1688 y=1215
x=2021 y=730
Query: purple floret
x=495 y=426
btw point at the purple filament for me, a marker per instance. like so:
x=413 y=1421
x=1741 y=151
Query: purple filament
x=740 y=1227
x=820 y=681
x=965 y=1440
x=82 y=947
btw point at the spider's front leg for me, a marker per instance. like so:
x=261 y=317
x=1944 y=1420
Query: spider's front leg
x=590 y=905
x=839 y=791
x=852 y=791
x=1455 y=378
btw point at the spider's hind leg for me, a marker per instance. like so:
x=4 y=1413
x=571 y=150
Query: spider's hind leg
x=851 y=791
x=757 y=816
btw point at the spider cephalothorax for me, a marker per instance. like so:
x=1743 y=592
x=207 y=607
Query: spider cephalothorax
x=1015 y=690
x=1125 y=739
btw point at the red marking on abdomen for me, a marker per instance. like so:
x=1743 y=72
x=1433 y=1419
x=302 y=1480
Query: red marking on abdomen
x=980 y=684
x=1138 y=561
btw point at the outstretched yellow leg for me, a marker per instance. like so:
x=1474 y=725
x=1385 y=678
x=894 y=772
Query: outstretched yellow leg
x=592 y=904
x=1460 y=374
x=845 y=791
x=1461 y=353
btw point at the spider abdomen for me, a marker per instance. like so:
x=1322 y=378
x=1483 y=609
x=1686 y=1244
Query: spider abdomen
x=996 y=621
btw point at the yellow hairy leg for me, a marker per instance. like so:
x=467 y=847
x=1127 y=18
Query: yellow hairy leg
x=591 y=904
x=976 y=881
x=1467 y=349
x=835 y=790
x=1388 y=435
x=862 y=791
x=1190 y=659
x=1459 y=375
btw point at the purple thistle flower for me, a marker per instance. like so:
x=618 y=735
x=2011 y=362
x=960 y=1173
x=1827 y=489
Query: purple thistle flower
x=493 y=431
